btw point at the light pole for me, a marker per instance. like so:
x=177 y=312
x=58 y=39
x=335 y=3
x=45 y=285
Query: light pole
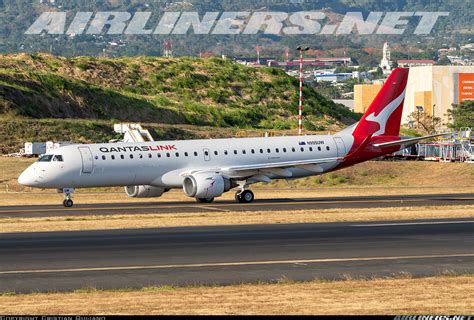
x=300 y=106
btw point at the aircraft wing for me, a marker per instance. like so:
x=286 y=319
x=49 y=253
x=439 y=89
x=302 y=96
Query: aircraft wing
x=403 y=143
x=260 y=172
x=286 y=164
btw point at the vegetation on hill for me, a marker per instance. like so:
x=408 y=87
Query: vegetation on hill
x=97 y=92
x=195 y=91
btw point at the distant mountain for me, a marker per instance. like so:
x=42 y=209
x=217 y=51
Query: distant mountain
x=17 y=16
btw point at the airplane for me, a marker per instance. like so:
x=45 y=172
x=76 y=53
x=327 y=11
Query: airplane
x=206 y=169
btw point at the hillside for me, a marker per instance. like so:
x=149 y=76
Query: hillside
x=186 y=91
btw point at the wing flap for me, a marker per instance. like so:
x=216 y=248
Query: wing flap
x=281 y=165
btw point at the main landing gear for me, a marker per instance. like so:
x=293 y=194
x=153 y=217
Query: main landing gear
x=245 y=196
x=205 y=200
x=67 y=202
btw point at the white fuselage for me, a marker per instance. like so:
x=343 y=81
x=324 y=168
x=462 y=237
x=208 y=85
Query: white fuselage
x=166 y=163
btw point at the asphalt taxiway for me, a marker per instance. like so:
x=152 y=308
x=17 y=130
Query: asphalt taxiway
x=56 y=261
x=349 y=202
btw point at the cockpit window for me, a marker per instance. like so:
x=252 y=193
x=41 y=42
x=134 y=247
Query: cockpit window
x=46 y=158
x=58 y=158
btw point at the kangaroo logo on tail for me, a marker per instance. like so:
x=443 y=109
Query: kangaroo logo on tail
x=383 y=116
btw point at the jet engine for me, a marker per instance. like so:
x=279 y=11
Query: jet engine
x=205 y=185
x=144 y=191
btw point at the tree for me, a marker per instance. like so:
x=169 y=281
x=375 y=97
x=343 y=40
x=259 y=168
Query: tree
x=425 y=122
x=444 y=61
x=462 y=115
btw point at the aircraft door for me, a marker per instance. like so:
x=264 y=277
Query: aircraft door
x=341 y=147
x=87 y=160
x=207 y=154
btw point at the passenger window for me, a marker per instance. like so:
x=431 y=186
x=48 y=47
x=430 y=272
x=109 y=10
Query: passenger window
x=244 y=152
x=261 y=150
x=319 y=148
x=327 y=148
x=103 y=157
x=235 y=151
x=216 y=153
x=141 y=156
x=195 y=154
x=131 y=156
x=168 y=155
x=122 y=157
x=253 y=151
x=113 y=157
x=293 y=149
x=225 y=152
x=149 y=155
x=284 y=149
x=277 y=150
x=177 y=155
x=186 y=154
x=159 y=155
x=268 y=151
x=302 y=149
x=206 y=153
x=310 y=148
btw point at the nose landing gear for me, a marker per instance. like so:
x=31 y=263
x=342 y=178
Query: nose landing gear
x=68 y=203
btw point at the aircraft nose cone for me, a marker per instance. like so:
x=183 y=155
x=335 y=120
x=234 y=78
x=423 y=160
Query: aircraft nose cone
x=27 y=178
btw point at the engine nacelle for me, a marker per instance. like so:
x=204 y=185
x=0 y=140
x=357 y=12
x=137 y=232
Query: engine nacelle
x=206 y=185
x=144 y=191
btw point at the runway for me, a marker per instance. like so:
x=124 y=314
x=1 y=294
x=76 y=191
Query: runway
x=349 y=202
x=59 y=261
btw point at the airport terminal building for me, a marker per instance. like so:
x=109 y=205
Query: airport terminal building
x=436 y=88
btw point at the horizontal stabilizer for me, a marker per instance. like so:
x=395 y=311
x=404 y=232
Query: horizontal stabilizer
x=407 y=142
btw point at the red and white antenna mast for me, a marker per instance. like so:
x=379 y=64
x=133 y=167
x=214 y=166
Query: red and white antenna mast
x=300 y=106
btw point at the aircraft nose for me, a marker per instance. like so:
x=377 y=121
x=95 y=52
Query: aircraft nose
x=27 y=178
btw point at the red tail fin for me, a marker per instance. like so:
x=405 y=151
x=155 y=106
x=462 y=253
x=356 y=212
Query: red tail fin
x=384 y=114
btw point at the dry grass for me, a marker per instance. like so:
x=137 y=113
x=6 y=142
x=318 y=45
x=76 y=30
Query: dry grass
x=213 y=218
x=433 y=295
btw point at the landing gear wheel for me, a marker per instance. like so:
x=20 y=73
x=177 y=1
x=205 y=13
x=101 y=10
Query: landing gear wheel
x=68 y=203
x=205 y=200
x=245 y=196
x=68 y=192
